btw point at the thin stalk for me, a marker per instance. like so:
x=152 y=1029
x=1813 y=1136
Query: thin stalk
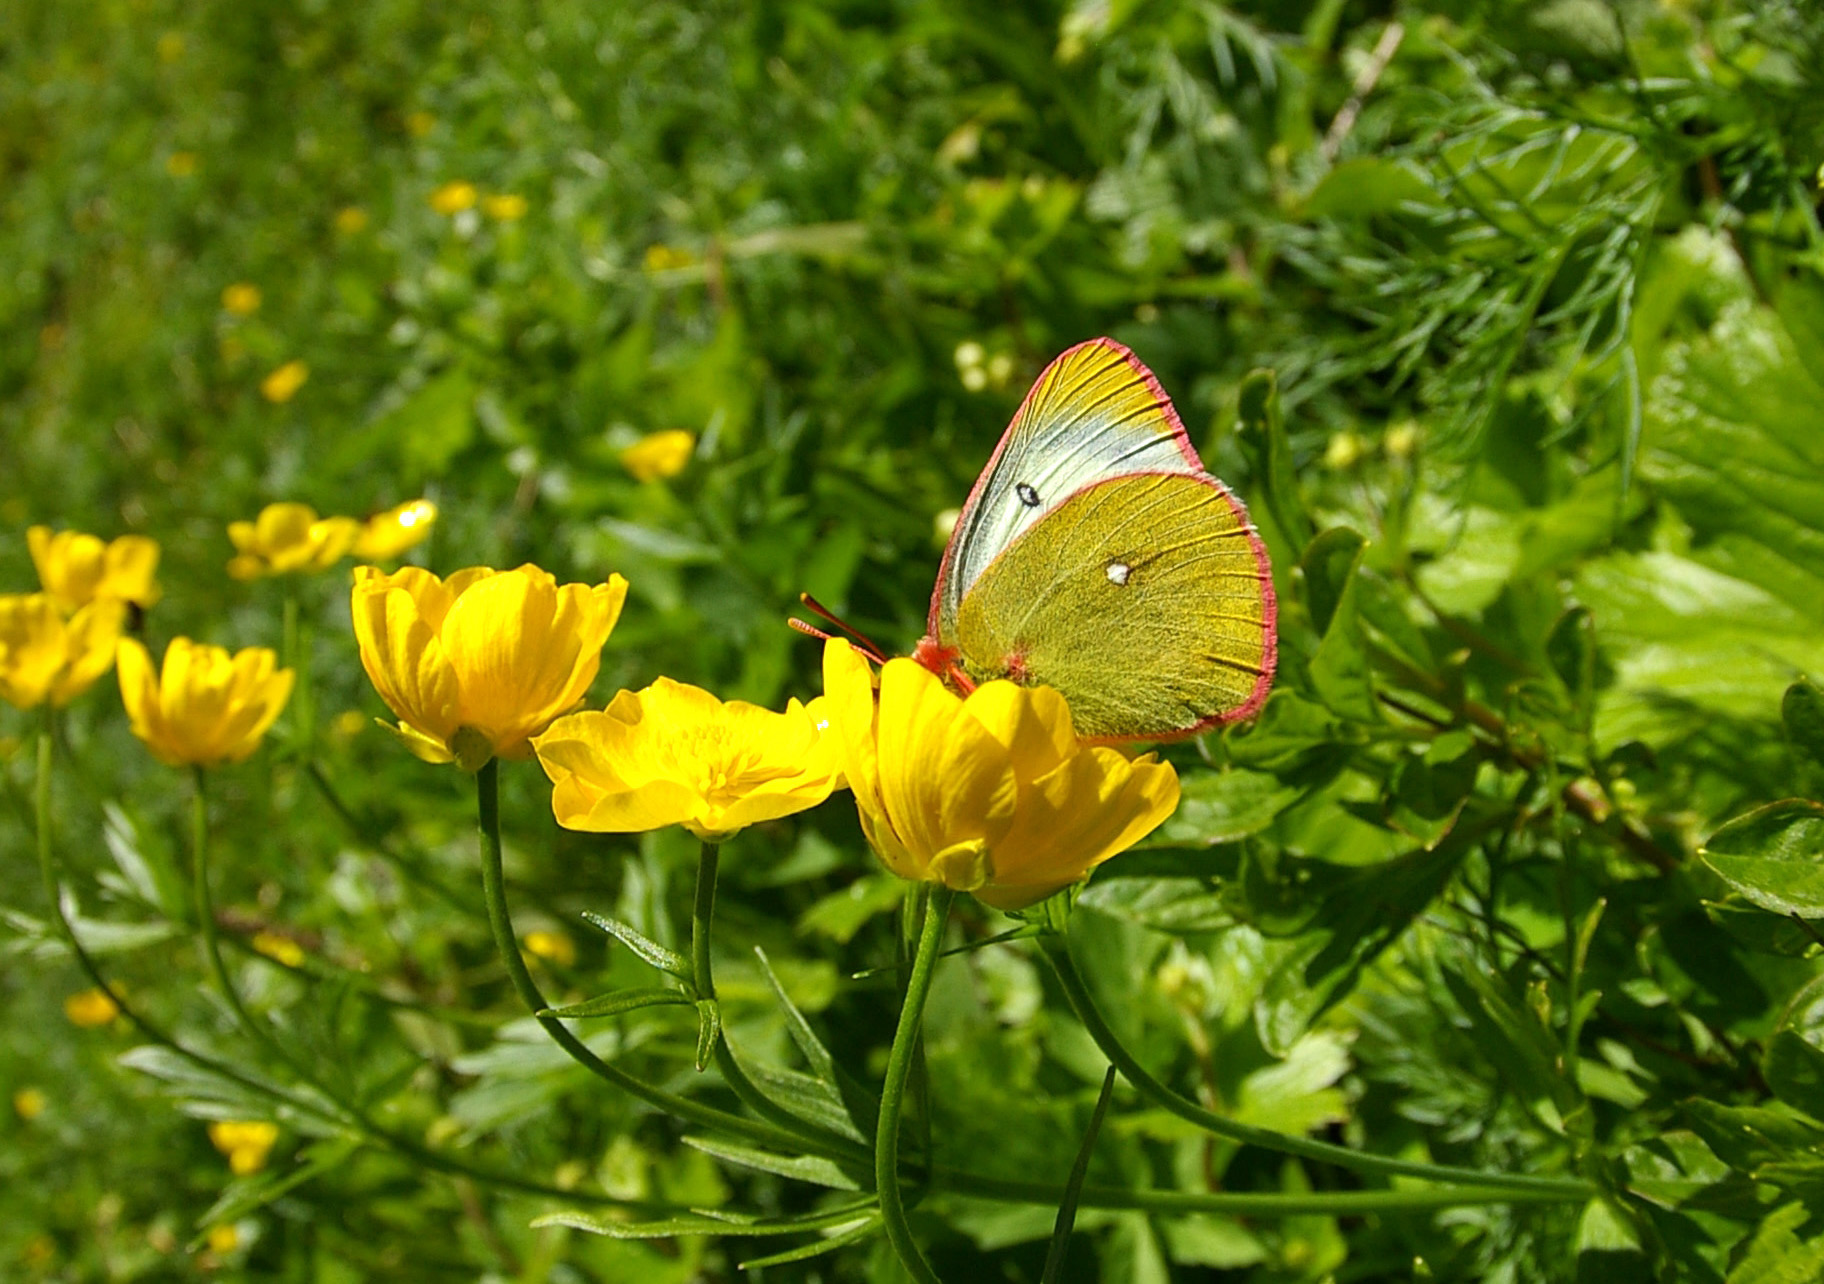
x=703 y=979
x=493 y=885
x=1058 y=955
x=892 y=1093
x=1336 y=1203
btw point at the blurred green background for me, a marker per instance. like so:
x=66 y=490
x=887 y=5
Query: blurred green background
x=1540 y=286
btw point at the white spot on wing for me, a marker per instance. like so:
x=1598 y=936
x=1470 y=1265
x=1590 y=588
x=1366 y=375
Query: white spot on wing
x=1118 y=572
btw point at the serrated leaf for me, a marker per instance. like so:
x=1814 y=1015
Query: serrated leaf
x=1223 y=807
x=1339 y=666
x=808 y=1168
x=1745 y=1137
x=649 y=950
x=1776 y=1254
x=619 y=1002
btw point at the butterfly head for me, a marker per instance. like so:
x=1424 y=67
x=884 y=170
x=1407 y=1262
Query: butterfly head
x=945 y=661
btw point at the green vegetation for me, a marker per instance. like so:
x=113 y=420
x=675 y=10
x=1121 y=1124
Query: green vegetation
x=1507 y=321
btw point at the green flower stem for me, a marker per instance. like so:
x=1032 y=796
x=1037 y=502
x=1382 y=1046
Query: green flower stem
x=1057 y=954
x=703 y=979
x=156 y=1034
x=1335 y=1203
x=493 y=884
x=892 y=1093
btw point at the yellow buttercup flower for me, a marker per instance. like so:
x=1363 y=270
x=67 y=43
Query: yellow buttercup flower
x=350 y=219
x=224 y=1238
x=46 y=657
x=386 y=535
x=454 y=198
x=207 y=706
x=289 y=537
x=246 y=1142
x=991 y=794
x=476 y=665
x=76 y=568
x=90 y=1008
x=29 y=1103
x=675 y=755
x=659 y=454
x=282 y=384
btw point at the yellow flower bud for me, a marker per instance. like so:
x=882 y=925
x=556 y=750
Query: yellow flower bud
x=45 y=657
x=659 y=454
x=207 y=706
x=76 y=568
x=289 y=537
x=991 y=794
x=280 y=949
x=386 y=535
x=246 y=1142
x=675 y=755
x=476 y=665
x=554 y=946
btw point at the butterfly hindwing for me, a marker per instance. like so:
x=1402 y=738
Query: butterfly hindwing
x=1145 y=599
x=1096 y=412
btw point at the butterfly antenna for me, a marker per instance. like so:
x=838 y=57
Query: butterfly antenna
x=863 y=642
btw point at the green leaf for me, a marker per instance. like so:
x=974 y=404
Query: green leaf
x=1745 y=1137
x=1339 y=666
x=858 y=1233
x=858 y=1101
x=620 y=1001
x=1802 y=710
x=1073 y=1186
x=709 y=1029
x=247 y=1194
x=1366 y=187
x=1774 y=857
x=705 y=1223
x=1222 y=807
x=808 y=1168
x=842 y=914
x=812 y=1100
x=1608 y=1249
x=1777 y=1255
x=649 y=950
x=1795 y=1071
x=1277 y=508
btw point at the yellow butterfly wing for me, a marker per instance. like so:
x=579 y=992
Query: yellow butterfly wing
x=1095 y=555
x=1094 y=413
x=1145 y=599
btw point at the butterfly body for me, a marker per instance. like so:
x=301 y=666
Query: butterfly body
x=1095 y=555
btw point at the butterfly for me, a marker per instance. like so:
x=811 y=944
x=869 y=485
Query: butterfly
x=1096 y=556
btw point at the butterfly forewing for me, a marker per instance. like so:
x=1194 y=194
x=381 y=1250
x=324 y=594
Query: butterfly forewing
x=1146 y=600
x=1095 y=413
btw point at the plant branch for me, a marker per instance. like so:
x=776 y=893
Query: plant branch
x=893 y=1092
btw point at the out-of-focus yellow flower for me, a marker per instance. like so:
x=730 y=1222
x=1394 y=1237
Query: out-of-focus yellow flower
x=351 y=219
x=348 y=724
x=659 y=454
x=29 y=1103
x=207 y=706
x=554 y=946
x=246 y=1142
x=675 y=755
x=991 y=794
x=289 y=537
x=419 y=123
x=181 y=164
x=45 y=657
x=171 y=46
x=476 y=665
x=224 y=1237
x=282 y=384
x=664 y=258
x=90 y=1008
x=242 y=298
x=385 y=536
x=454 y=198
x=76 y=568
x=505 y=207
x=280 y=949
